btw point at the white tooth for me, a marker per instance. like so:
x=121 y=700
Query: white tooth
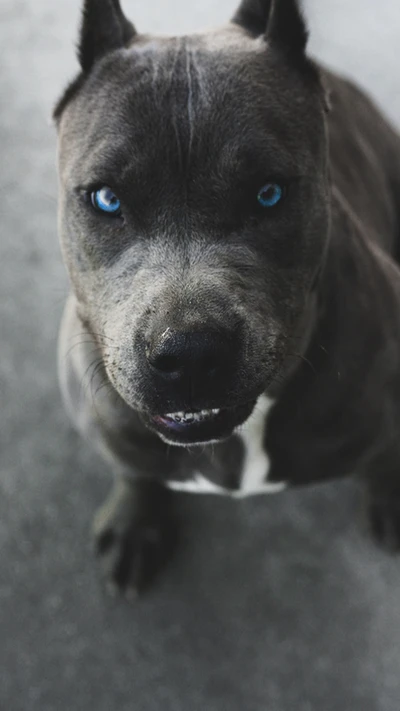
x=192 y=416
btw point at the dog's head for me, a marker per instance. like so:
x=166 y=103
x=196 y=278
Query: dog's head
x=194 y=208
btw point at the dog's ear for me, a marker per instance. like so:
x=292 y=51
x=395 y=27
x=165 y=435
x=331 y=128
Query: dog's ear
x=104 y=28
x=253 y=16
x=286 y=27
x=281 y=21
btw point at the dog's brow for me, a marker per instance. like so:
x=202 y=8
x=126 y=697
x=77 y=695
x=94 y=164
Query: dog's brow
x=265 y=158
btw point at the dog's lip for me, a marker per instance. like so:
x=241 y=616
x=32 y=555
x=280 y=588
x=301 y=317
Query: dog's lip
x=213 y=424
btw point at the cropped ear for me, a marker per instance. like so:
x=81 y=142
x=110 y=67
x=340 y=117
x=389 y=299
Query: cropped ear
x=281 y=21
x=253 y=16
x=104 y=28
x=287 y=27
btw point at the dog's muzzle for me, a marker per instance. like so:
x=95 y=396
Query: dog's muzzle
x=194 y=356
x=201 y=427
x=195 y=369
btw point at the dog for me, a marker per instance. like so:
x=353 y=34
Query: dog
x=229 y=216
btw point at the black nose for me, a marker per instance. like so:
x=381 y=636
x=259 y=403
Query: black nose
x=191 y=355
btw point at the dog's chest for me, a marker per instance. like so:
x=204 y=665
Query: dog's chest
x=218 y=474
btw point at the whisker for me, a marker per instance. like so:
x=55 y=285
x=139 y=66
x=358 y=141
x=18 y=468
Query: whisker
x=98 y=369
x=92 y=333
x=303 y=358
x=93 y=364
x=81 y=343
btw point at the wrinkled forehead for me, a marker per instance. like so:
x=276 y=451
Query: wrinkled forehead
x=218 y=95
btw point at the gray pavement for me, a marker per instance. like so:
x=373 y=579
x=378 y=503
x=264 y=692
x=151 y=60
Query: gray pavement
x=277 y=604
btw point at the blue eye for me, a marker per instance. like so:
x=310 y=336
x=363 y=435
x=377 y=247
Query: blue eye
x=105 y=200
x=270 y=194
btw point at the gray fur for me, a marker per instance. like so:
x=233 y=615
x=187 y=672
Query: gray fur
x=182 y=129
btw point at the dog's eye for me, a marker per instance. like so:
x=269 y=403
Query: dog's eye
x=105 y=200
x=270 y=194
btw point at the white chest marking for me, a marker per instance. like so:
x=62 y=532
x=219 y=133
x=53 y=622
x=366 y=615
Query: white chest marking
x=256 y=462
x=197 y=485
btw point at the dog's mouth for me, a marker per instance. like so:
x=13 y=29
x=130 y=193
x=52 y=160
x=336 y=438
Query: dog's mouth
x=188 y=418
x=187 y=427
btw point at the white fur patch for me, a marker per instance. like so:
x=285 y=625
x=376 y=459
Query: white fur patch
x=256 y=462
x=197 y=485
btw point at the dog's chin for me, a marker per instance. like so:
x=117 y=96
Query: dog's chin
x=188 y=429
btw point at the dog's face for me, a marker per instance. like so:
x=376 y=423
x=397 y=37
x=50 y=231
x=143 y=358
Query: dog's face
x=193 y=212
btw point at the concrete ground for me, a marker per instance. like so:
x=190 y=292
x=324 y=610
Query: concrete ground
x=275 y=604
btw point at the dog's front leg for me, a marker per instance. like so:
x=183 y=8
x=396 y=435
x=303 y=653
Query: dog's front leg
x=134 y=533
x=134 y=530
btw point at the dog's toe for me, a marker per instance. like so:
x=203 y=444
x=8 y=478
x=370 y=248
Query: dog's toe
x=132 y=558
x=132 y=542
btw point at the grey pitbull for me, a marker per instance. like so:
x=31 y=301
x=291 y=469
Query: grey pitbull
x=230 y=220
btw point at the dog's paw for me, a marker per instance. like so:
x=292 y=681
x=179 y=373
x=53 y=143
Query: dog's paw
x=384 y=522
x=134 y=536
